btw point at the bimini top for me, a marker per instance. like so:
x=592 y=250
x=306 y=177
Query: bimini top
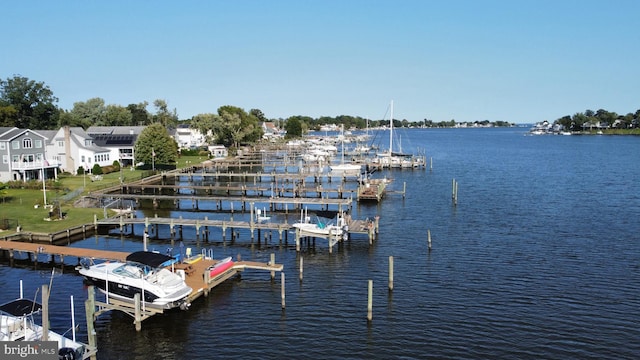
x=20 y=307
x=148 y=258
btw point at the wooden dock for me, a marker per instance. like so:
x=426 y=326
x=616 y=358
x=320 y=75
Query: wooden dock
x=275 y=203
x=368 y=228
x=196 y=275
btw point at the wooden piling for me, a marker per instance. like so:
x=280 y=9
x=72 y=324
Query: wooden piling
x=90 y=311
x=370 y=302
x=137 y=313
x=390 y=273
x=282 y=290
x=429 y=238
x=301 y=267
x=272 y=262
x=45 y=312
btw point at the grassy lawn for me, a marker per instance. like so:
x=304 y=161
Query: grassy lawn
x=17 y=205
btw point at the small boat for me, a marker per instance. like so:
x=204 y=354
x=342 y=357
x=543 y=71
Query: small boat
x=320 y=228
x=220 y=267
x=142 y=273
x=17 y=324
x=121 y=212
x=262 y=215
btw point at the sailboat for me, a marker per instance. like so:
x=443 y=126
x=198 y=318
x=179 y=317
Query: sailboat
x=343 y=168
x=389 y=158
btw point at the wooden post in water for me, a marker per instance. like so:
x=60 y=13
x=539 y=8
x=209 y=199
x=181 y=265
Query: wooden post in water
x=370 y=302
x=301 y=267
x=390 y=273
x=90 y=309
x=137 y=313
x=207 y=280
x=272 y=263
x=45 y=312
x=282 y=292
x=455 y=199
x=429 y=238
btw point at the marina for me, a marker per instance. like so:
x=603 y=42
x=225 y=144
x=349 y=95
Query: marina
x=196 y=274
x=511 y=256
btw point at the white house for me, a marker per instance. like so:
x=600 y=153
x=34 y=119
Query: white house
x=73 y=148
x=119 y=140
x=218 y=151
x=188 y=138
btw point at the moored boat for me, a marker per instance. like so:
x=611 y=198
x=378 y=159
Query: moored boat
x=17 y=324
x=142 y=273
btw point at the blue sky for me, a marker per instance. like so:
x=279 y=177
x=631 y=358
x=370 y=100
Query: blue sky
x=519 y=61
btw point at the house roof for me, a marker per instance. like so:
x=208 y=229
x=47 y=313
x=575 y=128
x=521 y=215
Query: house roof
x=115 y=130
x=5 y=129
x=15 y=132
x=108 y=140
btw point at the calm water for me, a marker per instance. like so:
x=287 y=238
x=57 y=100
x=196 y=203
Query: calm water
x=539 y=260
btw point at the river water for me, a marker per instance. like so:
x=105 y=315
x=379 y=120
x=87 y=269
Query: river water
x=540 y=259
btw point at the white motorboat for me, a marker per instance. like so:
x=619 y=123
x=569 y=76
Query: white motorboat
x=17 y=324
x=320 y=227
x=143 y=273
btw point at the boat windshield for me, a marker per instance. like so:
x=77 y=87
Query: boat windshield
x=129 y=270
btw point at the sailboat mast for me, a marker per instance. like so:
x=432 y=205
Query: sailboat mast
x=391 y=131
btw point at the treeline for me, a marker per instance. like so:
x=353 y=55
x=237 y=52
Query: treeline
x=26 y=103
x=601 y=119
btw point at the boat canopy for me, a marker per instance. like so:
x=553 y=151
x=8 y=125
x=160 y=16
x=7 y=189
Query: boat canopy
x=148 y=258
x=20 y=307
x=327 y=214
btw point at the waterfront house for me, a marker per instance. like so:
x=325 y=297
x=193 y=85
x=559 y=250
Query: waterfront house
x=24 y=156
x=119 y=140
x=73 y=148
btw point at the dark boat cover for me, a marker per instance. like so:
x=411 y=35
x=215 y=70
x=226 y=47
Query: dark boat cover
x=327 y=214
x=20 y=307
x=152 y=259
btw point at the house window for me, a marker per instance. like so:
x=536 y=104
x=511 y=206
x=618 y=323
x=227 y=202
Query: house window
x=15 y=144
x=82 y=159
x=15 y=158
x=5 y=159
x=60 y=143
x=38 y=144
x=27 y=143
x=2 y=145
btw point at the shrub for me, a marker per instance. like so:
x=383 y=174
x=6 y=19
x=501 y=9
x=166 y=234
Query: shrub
x=96 y=170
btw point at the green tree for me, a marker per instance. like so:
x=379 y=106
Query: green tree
x=33 y=103
x=88 y=113
x=139 y=114
x=234 y=126
x=8 y=115
x=167 y=118
x=116 y=115
x=293 y=127
x=205 y=123
x=258 y=114
x=155 y=140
